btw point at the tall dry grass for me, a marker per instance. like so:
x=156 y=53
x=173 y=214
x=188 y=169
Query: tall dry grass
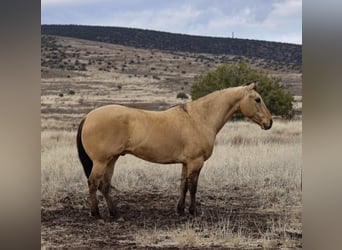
x=267 y=162
x=243 y=155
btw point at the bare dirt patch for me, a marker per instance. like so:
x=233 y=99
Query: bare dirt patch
x=148 y=219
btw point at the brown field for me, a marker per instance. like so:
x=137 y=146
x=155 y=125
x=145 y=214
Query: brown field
x=249 y=191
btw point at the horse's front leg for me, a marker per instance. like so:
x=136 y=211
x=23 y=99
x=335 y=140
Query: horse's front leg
x=183 y=190
x=194 y=170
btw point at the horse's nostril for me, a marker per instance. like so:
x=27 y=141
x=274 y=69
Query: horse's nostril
x=269 y=125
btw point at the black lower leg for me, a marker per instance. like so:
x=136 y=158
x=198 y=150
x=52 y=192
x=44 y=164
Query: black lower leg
x=181 y=202
x=193 y=188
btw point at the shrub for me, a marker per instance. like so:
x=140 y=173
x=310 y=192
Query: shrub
x=182 y=95
x=276 y=97
x=83 y=67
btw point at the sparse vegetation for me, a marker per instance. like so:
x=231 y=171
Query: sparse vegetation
x=278 y=52
x=249 y=191
x=56 y=55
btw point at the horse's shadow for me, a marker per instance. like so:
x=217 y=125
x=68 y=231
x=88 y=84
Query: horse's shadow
x=148 y=210
x=156 y=209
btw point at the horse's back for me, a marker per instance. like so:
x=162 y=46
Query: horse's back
x=156 y=136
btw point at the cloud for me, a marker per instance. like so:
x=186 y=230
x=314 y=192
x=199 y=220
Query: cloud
x=178 y=19
x=289 y=8
x=47 y=3
x=65 y=3
x=262 y=20
x=285 y=21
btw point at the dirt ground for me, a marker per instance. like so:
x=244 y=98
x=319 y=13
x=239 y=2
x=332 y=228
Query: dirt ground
x=68 y=224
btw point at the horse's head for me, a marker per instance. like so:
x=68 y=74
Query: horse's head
x=253 y=107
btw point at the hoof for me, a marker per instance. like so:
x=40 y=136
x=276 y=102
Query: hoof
x=114 y=214
x=95 y=214
x=192 y=211
x=180 y=210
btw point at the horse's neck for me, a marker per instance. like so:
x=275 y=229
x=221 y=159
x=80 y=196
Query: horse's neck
x=215 y=109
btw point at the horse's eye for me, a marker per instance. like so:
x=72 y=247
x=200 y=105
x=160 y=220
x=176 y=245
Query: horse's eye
x=258 y=100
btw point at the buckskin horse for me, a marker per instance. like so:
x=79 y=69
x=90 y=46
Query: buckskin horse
x=181 y=134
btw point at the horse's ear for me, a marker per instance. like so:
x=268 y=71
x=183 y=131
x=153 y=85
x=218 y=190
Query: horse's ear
x=251 y=85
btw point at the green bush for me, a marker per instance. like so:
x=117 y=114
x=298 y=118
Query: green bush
x=182 y=95
x=276 y=97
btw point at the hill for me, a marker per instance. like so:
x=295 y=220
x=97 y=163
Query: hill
x=78 y=75
x=289 y=55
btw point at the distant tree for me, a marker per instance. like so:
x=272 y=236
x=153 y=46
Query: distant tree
x=276 y=96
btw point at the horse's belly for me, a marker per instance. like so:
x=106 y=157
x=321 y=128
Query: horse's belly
x=161 y=153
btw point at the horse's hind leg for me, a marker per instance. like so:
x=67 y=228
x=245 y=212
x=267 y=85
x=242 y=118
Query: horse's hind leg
x=97 y=174
x=106 y=186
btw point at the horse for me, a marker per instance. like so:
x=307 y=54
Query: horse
x=183 y=134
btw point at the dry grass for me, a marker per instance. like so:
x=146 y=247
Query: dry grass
x=243 y=154
x=266 y=162
x=223 y=234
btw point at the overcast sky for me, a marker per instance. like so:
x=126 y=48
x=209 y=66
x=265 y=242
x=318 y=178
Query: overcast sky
x=270 y=20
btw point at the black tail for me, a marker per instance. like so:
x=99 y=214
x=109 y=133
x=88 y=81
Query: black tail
x=82 y=154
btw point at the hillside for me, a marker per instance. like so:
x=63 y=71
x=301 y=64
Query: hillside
x=287 y=55
x=78 y=75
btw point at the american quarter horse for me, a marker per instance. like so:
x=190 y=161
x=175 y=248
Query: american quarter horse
x=181 y=134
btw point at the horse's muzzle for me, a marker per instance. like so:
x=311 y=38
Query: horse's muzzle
x=267 y=126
